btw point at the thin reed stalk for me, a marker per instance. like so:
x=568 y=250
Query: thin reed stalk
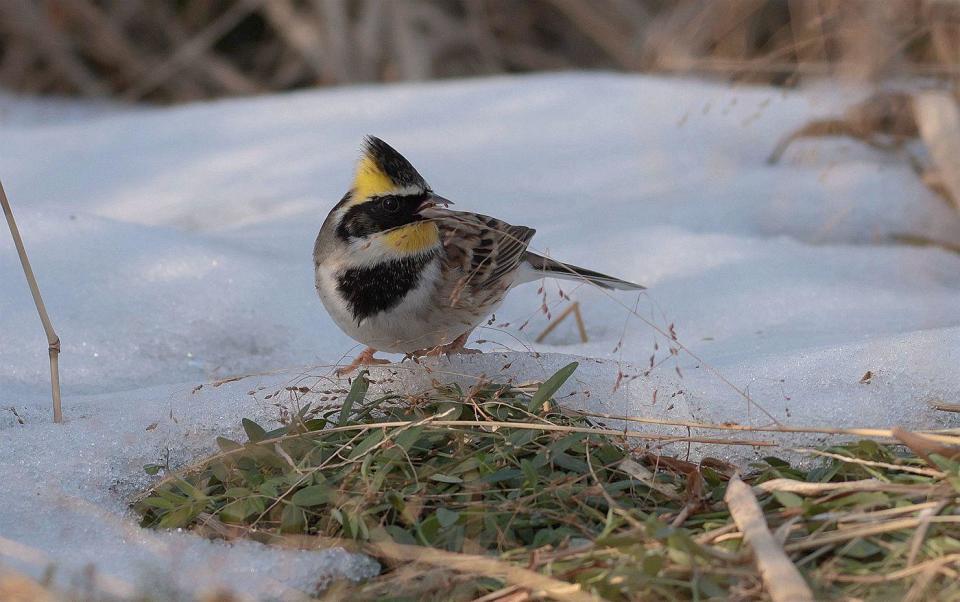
x=52 y=339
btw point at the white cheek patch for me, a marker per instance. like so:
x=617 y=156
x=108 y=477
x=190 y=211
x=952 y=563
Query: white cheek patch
x=373 y=250
x=369 y=251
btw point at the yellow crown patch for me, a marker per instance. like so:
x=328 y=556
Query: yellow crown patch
x=370 y=181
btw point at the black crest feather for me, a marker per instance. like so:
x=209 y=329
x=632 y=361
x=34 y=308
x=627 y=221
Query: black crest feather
x=392 y=163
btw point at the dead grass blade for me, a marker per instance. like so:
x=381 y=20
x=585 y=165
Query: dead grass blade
x=867 y=432
x=865 y=531
x=927 y=472
x=780 y=576
x=804 y=488
x=924 y=446
x=938 y=117
x=916 y=569
x=538 y=584
x=15 y=587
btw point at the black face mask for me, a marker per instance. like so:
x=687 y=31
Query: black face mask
x=380 y=214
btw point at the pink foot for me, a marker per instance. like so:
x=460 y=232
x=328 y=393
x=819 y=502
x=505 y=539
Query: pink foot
x=364 y=359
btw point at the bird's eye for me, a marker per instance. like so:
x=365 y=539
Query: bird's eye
x=390 y=204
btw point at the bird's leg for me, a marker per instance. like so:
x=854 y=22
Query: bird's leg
x=364 y=359
x=458 y=346
x=454 y=347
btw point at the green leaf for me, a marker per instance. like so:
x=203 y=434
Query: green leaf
x=151 y=469
x=292 y=520
x=710 y=588
x=381 y=475
x=861 y=549
x=189 y=489
x=228 y=445
x=253 y=476
x=220 y=471
x=550 y=386
x=519 y=438
x=446 y=517
x=788 y=499
x=407 y=438
x=566 y=442
x=570 y=463
x=254 y=431
x=443 y=478
x=366 y=445
x=313 y=495
x=237 y=492
x=401 y=535
x=357 y=392
x=237 y=511
x=316 y=424
x=271 y=487
x=180 y=517
x=158 y=502
x=277 y=432
x=467 y=465
x=544 y=537
x=860 y=499
x=504 y=474
x=530 y=475
x=652 y=564
x=427 y=530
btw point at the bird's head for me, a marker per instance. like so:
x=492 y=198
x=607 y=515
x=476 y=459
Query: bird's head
x=387 y=198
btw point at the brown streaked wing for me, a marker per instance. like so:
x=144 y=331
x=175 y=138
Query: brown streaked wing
x=482 y=252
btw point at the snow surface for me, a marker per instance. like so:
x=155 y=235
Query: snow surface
x=173 y=249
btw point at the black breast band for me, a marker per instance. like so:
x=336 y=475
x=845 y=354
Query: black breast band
x=371 y=290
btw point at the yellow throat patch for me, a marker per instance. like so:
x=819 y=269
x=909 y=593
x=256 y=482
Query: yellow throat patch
x=412 y=238
x=370 y=181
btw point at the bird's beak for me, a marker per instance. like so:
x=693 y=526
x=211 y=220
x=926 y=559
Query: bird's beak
x=432 y=201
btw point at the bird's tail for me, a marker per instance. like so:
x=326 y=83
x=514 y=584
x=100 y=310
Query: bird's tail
x=544 y=266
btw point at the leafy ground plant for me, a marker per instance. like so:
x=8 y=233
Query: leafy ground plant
x=498 y=493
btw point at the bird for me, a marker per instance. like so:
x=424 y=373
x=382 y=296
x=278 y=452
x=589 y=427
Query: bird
x=400 y=272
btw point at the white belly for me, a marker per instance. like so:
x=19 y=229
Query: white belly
x=416 y=323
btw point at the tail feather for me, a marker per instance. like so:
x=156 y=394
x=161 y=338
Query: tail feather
x=544 y=266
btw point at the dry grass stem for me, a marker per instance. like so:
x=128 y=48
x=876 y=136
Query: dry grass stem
x=573 y=308
x=15 y=587
x=866 y=531
x=873 y=433
x=939 y=120
x=803 y=488
x=899 y=574
x=52 y=339
x=538 y=584
x=927 y=472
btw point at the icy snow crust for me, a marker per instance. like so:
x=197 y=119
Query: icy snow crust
x=173 y=249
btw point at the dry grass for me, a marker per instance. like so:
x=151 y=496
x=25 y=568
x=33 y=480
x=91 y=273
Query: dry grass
x=15 y=587
x=173 y=51
x=524 y=500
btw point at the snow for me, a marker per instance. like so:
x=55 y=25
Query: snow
x=173 y=248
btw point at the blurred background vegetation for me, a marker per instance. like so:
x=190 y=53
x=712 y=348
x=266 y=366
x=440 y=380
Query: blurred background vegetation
x=180 y=50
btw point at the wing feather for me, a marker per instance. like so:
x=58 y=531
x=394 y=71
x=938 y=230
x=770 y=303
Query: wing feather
x=482 y=255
